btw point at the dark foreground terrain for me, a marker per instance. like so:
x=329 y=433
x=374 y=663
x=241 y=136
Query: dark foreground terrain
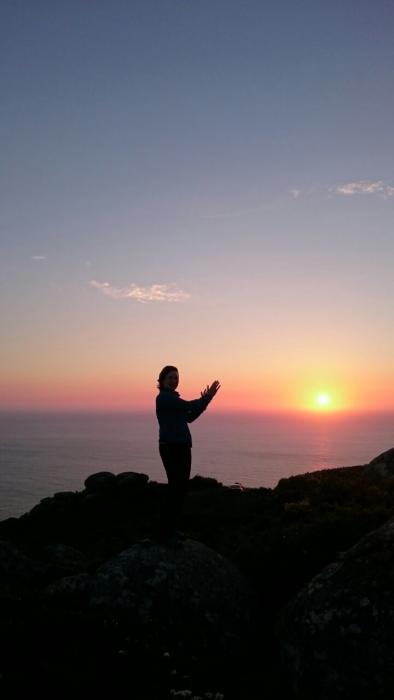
x=284 y=592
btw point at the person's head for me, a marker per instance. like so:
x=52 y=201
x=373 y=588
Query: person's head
x=168 y=378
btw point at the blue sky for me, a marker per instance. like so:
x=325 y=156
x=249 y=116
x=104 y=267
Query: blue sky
x=237 y=155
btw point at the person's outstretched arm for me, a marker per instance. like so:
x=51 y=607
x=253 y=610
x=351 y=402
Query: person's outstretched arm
x=191 y=409
x=197 y=408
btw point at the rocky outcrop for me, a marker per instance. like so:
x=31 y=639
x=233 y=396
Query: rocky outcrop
x=63 y=560
x=88 y=597
x=185 y=592
x=107 y=481
x=17 y=569
x=382 y=465
x=337 y=635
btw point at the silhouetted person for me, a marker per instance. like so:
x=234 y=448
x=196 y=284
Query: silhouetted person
x=175 y=443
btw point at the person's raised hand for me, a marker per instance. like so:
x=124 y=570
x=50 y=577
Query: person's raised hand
x=215 y=386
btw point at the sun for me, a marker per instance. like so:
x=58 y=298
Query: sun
x=320 y=398
x=323 y=400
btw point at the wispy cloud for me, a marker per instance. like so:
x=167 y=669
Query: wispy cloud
x=38 y=257
x=157 y=292
x=365 y=187
x=297 y=192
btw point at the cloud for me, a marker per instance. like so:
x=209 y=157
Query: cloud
x=366 y=187
x=296 y=192
x=157 y=292
x=38 y=257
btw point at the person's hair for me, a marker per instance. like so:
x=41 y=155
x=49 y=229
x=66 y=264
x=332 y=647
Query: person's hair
x=163 y=374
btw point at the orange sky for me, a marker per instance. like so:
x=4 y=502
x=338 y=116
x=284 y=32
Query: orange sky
x=92 y=352
x=246 y=392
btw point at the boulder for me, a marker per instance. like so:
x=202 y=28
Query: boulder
x=198 y=482
x=17 y=568
x=99 y=482
x=382 y=465
x=337 y=635
x=63 y=560
x=188 y=594
x=131 y=481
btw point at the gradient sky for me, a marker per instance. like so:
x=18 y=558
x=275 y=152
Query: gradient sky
x=205 y=183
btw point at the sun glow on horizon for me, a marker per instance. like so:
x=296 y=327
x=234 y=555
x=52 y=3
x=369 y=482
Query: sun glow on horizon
x=319 y=399
x=323 y=400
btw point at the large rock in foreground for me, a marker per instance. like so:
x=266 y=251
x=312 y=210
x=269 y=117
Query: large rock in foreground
x=338 y=634
x=382 y=465
x=189 y=597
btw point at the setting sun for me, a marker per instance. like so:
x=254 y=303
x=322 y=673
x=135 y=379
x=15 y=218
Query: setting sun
x=323 y=400
x=312 y=396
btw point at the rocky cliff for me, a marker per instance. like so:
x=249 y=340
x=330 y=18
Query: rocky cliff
x=273 y=592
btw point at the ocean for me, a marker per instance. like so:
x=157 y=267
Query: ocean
x=42 y=453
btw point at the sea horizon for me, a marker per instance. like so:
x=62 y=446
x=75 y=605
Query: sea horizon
x=42 y=452
x=337 y=413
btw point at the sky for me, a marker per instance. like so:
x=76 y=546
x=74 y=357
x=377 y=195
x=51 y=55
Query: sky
x=202 y=183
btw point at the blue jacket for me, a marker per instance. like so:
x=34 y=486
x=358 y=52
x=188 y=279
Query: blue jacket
x=174 y=414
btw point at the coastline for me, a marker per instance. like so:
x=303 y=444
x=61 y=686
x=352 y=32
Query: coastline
x=277 y=539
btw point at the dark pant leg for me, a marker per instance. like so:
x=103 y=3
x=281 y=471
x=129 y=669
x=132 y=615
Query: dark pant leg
x=177 y=461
